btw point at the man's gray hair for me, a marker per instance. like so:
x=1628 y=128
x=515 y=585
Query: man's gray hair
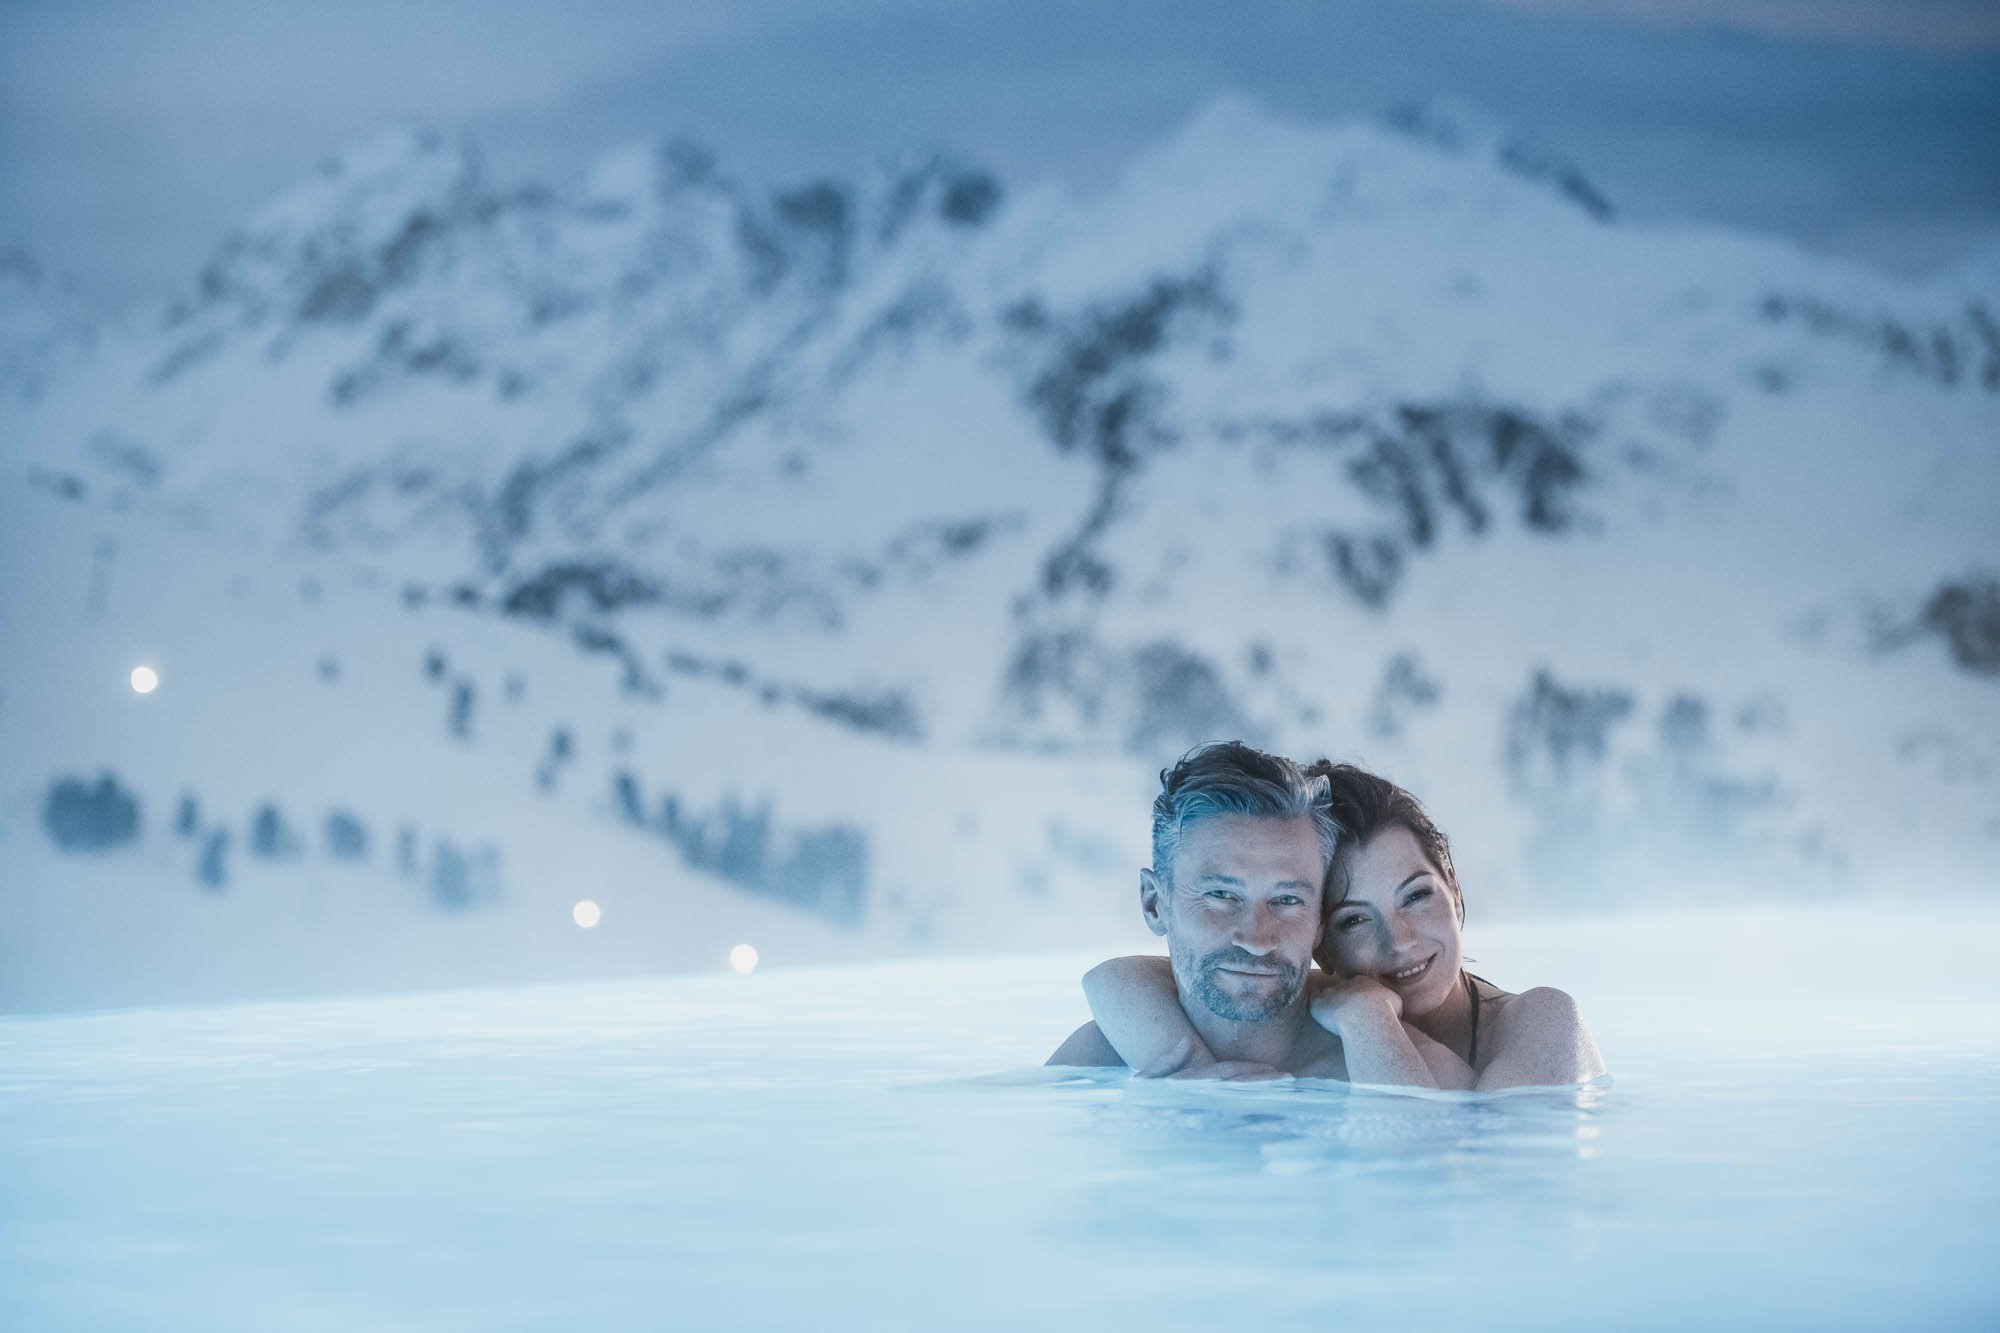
x=1231 y=778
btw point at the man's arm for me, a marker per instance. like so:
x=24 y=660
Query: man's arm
x=1086 y=1047
x=1138 y=1010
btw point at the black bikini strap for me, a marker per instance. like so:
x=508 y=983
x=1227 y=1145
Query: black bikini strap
x=1472 y=1049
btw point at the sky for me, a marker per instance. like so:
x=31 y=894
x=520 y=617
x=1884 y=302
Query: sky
x=134 y=135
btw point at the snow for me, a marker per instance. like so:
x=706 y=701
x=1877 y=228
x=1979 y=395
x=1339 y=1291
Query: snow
x=944 y=529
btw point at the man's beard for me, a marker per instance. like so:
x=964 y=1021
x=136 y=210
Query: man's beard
x=1200 y=981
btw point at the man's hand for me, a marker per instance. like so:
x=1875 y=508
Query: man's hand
x=1236 y=1071
x=1343 y=1004
x=1190 y=1059
x=1186 y=1058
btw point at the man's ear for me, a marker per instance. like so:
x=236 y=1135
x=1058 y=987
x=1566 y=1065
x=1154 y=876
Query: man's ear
x=1153 y=902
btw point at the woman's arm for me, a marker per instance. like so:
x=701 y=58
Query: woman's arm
x=1539 y=1040
x=1368 y=1018
x=1451 y=1073
x=1139 y=1012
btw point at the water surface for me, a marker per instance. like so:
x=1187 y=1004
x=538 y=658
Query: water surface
x=875 y=1148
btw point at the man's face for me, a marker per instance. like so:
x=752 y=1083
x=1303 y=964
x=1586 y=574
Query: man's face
x=1241 y=913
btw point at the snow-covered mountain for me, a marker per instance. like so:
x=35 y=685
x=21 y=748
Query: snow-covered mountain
x=44 y=324
x=839 y=561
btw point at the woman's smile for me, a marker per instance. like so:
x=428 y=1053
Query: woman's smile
x=1414 y=972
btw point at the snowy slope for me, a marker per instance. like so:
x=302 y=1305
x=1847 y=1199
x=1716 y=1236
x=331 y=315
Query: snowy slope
x=45 y=325
x=842 y=558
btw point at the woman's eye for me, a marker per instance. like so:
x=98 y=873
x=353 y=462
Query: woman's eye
x=1347 y=923
x=1418 y=895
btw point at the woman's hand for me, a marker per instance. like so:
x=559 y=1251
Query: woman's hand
x=1367 y=1017
x=1343 y=1005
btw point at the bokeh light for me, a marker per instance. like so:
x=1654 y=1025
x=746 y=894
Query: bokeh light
x=743 y=958
x=586 y=913
x=144 y=680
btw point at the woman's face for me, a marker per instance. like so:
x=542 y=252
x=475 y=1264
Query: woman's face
x=1398 y=922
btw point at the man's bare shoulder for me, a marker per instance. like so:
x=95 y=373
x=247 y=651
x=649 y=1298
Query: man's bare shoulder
x=1086 y=1046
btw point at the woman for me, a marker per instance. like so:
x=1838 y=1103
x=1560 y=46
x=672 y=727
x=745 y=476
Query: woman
x=1394 y=989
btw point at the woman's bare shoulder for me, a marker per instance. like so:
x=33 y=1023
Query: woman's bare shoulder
x=1538 y=1005
x=1539 y=1039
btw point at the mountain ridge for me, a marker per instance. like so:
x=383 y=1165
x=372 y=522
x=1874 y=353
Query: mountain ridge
x=1343 y=439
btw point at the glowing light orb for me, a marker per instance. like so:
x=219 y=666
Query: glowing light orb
x=743 y=958
x=144 y=680
x=586 y=914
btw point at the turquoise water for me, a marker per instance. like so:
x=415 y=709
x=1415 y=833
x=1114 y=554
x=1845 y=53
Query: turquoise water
x=874 y=1148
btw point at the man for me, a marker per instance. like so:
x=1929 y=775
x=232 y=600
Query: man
x=1241 y=845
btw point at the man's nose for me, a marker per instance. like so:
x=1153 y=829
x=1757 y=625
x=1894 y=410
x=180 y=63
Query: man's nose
x=1257 y=930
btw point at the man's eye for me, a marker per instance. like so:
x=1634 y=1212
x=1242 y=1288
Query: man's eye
x=1220 y=896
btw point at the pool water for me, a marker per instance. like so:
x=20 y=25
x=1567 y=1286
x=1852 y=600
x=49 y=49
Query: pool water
x=1783 y=1144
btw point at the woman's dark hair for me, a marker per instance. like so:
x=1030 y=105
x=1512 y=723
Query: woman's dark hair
x=1362 y=806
